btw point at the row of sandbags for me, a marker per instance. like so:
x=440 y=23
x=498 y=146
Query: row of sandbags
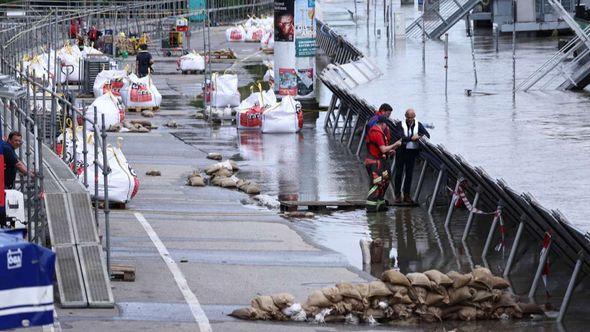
x=253 y=30
x=70 y=58
x=431 y=296
x=123 y=183
x=223 y=174
x=261 y=111
x=134 y=92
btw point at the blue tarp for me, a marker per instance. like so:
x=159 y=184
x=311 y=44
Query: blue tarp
x=26 y=283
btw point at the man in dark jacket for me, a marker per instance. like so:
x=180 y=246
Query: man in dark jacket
x=11 y=162
x=144 y=61
x=405 y=158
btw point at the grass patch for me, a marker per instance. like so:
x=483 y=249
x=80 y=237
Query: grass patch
x=245 y=90
x=197 y=103
x=257 y=70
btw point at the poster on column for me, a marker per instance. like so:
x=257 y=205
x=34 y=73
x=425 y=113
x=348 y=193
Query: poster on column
x=304 y=28
x=284 y=21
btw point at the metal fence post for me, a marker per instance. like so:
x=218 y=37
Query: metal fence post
x=471 y=215
x=454 y=199
x=420 y=181
x=96 y=161
x=486 y=247
x=539 y=271
x=514 y=246
x=570 y=289
x=435 y=192
x=105 y=173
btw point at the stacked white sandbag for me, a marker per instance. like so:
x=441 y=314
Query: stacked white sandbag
x=235 y=34
x=141 y=93
x=283 y=118
x=109 y=105
x=110 y=80
x=225 y=90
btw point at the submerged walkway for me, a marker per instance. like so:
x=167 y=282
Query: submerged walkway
x=199 y=253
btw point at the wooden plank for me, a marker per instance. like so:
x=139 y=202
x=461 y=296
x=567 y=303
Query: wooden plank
x=123 y=272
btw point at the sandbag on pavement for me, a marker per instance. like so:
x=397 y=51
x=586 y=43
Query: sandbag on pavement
x=110 y=80
x=439 y=278
x=192 y=61
x=459 y=280
x=395 y=277
x=141 y=93
x=461 y=294
x=499 y=283
x=482 y=278
x=347 y=290
x=378 y=288
x=418 y=279
x=318 y=299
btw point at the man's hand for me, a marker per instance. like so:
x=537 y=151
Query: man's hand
x=415 y=138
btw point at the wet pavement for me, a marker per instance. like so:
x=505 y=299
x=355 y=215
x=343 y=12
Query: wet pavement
x=234 y=251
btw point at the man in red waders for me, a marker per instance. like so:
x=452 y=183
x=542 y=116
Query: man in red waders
x=378 y=164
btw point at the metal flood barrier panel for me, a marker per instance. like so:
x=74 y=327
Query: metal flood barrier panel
x=350 y=113
x=81 y=271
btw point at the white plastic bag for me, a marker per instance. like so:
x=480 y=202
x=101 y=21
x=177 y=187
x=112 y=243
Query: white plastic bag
x=269 y=76
x=110 y=80
x=225 y=90
x=235 y=34
x=141 y=92
x=191 y=61
x=282 y=118
x=110 y=106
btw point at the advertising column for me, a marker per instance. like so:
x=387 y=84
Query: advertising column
x=295 y=47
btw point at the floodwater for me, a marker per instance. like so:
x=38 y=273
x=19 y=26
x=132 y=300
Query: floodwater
x=538 y=141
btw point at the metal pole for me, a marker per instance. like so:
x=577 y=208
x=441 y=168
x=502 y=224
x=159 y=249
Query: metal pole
x=514 y=247
x=513 y=47
x=361 y=140
x=539 y=272
x=435 y=192
x=471 y=215
x=423 y=34
x=472 y=50
x=105 y=173
x=85 y=148
x=454 y=199
x=446 y=61
x=420 y=181
x=353 y=130
x=486 y=247
x=74 y=142
x=570 y=289
x=95 y=134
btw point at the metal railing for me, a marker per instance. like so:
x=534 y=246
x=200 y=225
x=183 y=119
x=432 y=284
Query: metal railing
x=438 y=17
x=518 y=211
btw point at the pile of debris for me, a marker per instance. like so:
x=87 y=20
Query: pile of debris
x=223 y=174
x=431 y=296
x=134 y=126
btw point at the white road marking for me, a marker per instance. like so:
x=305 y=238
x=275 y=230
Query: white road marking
x=189 y=296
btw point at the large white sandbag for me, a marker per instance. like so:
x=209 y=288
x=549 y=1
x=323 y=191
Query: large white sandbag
x=110 y=106
x=225 y=90
x=110 y=80
x=191 y=61
x=281 y=118
x=269 y=76
x=70 y=60
x=254 y=34
x=235 y=34
x=123 y=182
x=141 y=92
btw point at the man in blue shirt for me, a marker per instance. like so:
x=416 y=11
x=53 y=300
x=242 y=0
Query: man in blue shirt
x=11 y=161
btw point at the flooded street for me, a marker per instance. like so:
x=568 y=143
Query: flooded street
x=538 y=141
